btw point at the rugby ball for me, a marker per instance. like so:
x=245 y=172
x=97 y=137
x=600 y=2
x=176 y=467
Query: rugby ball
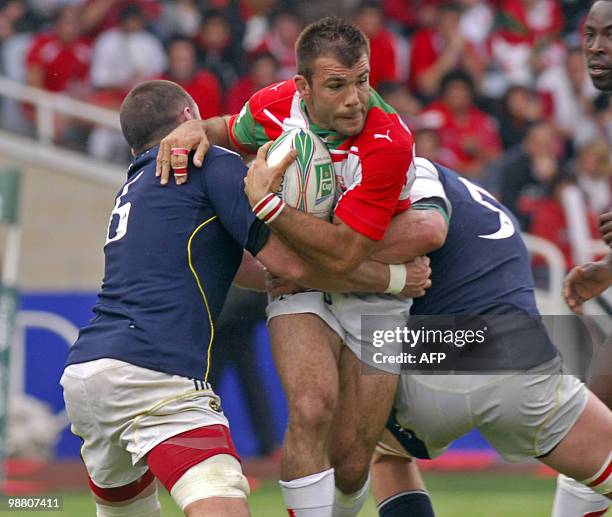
x=309 y=183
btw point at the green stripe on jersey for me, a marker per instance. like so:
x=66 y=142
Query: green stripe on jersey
x=246 y=131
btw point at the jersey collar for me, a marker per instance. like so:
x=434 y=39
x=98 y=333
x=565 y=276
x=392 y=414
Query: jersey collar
x=142 y=159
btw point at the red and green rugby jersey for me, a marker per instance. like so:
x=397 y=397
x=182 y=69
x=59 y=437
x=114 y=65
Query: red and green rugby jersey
x=374 y=170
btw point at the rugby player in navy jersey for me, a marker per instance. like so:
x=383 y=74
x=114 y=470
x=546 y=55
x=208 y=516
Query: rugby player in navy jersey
x=535 y=411
x=483 y=269
x=589 y=280
x=135 y=383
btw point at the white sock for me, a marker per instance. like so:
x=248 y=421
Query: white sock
x=145 y=507
x=573 y=499
x=349 y=505
x=310 y=496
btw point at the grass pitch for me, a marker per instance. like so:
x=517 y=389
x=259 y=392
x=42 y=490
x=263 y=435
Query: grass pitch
x=454 y=495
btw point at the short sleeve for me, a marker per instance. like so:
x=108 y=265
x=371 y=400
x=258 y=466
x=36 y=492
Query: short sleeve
x=242 y=128
x=223 y=178
x=368 y=206
x=427 y=184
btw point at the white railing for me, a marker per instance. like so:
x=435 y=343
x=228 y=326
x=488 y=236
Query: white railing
x=49 y=104
x=550 y=301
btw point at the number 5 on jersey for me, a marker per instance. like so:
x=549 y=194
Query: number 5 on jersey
x=122 y=212
x=506 y=226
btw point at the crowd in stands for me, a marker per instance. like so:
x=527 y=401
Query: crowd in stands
x=496 y=89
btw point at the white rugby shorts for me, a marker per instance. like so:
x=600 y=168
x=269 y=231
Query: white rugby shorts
x=343 y=313
x=522 y=415
x=122 y=411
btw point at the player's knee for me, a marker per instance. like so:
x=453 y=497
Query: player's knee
x=351 y=471
x=312 y=411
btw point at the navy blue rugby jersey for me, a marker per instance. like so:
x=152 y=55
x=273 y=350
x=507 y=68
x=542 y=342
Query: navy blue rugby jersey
x=484 y=262
x=171 y=254
x=483 y=269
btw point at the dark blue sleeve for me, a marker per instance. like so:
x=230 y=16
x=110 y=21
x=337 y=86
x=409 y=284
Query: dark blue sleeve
x=223 y=178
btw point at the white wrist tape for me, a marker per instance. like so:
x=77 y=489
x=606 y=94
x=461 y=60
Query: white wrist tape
x=397 y=278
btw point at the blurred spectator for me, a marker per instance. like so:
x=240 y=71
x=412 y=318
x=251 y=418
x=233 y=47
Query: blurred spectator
x=477 y=20
x=441 y=49
x=16 y=23
x=603 y=116
x=256 y=17
x=179 y=17
x=263 y=70
x=202 y=85
x=520 y=108
x=127 y=54
x=593 y=175
x=468 y=135
x=528 y=38
x=383 y=66
x=559 y=216
x=410 y=15
x=280 y=41
x=428 y=145
x=527 y=173
x=102 y=15
x=215 y=50
x=122 y=57
x=571 y=92
x=58 y=61
x=15 y=17
x=400 y=99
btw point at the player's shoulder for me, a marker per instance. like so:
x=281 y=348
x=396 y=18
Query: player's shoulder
x=384 y=130
x=274 y=97
x=217 y=154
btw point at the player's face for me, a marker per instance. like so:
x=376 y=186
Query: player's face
x=337 y=98
x=598 y=45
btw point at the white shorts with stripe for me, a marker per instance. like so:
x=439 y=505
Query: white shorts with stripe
x=122 y=411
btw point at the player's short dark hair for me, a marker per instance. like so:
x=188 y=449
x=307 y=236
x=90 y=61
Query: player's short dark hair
x=152 y=110
x=333 y=37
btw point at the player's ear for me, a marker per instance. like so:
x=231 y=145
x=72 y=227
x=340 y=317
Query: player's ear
x=189 y=114
x=302 y=85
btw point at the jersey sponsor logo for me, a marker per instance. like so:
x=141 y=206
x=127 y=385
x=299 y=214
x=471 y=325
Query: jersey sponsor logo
x=378 y=136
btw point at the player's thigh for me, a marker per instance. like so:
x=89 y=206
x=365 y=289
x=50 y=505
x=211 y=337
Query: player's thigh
x=305 y=351
x=429 y=413
x=529 y=414
x=108 y=464
x=202 y=472
x=584 y=450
